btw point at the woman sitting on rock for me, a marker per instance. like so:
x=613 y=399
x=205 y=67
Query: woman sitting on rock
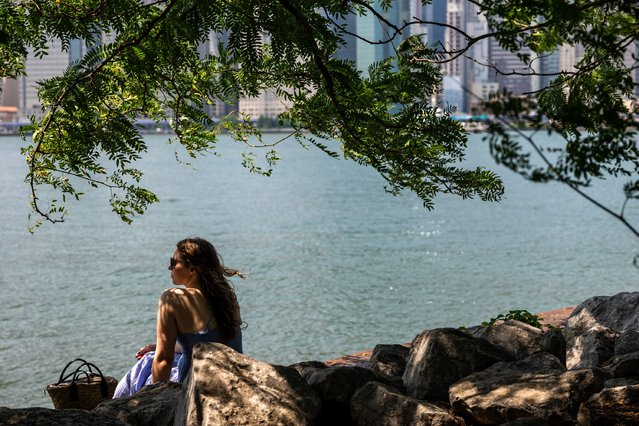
x=205 y=310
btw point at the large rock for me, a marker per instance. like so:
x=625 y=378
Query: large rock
x=153 y=406
x=618 y=313
x=522 y=340
x=612 y=406
x=383 y=405
x=440 y=357
x=627 y=342
x=304 y=366
x=623 y=366
x=46 y=416
x=226 y=387
x=537 y=387
x=591 y=349
x=389 y=361
x=335 y=386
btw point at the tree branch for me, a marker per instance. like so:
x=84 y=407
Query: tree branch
x=49 y=117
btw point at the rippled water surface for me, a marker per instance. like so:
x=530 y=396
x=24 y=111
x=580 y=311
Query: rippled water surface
x=336 y=265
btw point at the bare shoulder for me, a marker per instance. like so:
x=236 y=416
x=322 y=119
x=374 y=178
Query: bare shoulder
x=180 y=297
x=171 y=296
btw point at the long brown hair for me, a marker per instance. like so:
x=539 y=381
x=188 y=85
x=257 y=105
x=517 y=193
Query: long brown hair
x=200 y=255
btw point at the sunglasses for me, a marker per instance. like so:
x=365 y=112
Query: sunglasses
x=172 y=262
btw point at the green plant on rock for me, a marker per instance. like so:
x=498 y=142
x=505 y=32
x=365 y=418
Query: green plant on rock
x=517 y=315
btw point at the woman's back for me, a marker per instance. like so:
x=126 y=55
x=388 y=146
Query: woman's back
x=191 y=310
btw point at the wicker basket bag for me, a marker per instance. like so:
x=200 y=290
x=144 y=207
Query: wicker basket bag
x=81 y=388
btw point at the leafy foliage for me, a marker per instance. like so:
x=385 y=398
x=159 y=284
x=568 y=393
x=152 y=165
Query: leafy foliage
x=147 y=62
x=385 y=121
x=593 y=107
x=517 y=315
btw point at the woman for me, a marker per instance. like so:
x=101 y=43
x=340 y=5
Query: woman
x=205 y=310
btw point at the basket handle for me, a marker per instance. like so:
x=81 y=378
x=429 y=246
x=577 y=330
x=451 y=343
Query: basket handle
x=73 y=388
x=63 y=377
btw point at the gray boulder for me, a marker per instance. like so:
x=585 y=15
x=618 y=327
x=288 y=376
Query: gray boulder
x=522 y=340
x=626 y=366
x=226 y=387
x=335 y=386
x=612 y=406
x=537 y=387
x=45 y=416
x=152 y=405
x=440 y=357
x=618 y=313
x=389 y=360
x=627 y=342
x=304 y=366
x=383 y=405
x=591 y=348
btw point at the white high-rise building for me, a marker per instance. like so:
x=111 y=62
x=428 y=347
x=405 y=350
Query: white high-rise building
x=219 y=108
x=266 y=104
x=455 y=79
x=477 y=73
x=569 y=56
x=51 y=65
x=9 y=100
x=453 y=40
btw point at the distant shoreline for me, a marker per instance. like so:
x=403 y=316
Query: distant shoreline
x=158 y=131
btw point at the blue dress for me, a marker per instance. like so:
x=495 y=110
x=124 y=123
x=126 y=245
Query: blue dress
x=140 y=375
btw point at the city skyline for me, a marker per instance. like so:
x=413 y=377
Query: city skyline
x=485 y=68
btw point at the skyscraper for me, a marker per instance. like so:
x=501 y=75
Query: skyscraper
x=51 y=65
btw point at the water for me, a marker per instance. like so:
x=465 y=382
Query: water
x=336 y=265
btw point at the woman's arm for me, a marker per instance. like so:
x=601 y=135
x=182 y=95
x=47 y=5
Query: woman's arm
x=151 y=347
x=144 y=349
x=166 y=338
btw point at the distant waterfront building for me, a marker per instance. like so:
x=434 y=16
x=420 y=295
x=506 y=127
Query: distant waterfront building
x=357 y=49
x=266 y=104
x=509 y=71
x=477 y=81
x=349 y=51
x=371 y=31
x=466 y=79
x=435 y=11
x=51 y=65
x=454 y=95
x=219 y=108
x=631 y=60
x=549 y=68
x=434 y=35
x=569 y=56
x=9 y=100
x=454 y=41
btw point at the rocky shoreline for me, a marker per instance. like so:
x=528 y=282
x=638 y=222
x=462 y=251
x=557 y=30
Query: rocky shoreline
x=554 y=318
x=580 y=368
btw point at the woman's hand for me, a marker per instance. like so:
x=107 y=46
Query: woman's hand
x=144 y=349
